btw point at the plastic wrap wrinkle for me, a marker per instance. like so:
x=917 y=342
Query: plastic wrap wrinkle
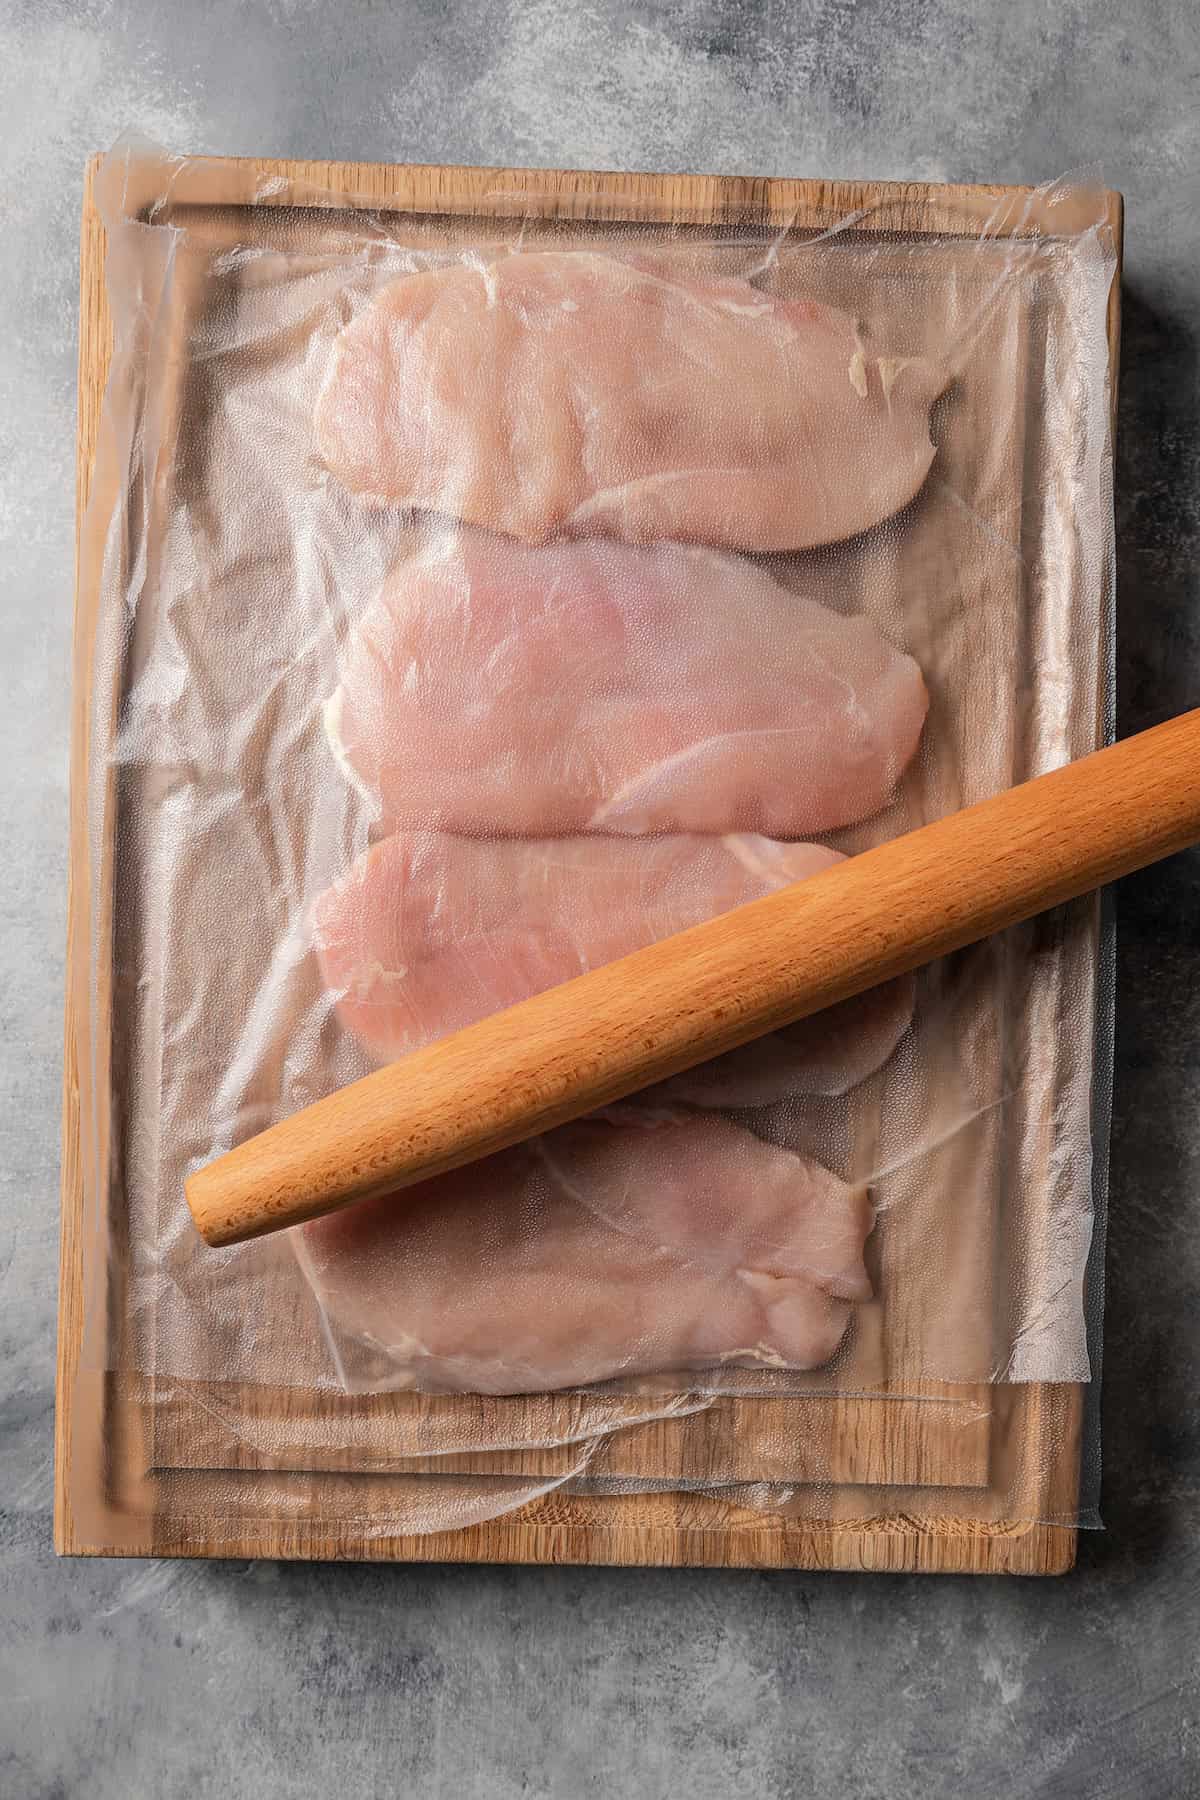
x=408 y=703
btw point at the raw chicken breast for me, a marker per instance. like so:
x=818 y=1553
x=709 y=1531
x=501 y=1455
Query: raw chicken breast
x=602 y=1249
x=428 y=933
x=570 y=393
x=493 y=688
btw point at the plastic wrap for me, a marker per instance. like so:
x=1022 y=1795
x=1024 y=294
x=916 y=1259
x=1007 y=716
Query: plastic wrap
x=483 y=598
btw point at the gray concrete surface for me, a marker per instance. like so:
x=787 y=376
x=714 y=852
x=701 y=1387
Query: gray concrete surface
x=124 y=1680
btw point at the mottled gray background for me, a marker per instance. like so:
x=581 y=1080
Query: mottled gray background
x=123 y=1680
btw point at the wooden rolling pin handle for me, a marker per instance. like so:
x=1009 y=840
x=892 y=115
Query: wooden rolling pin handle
x=686 y=998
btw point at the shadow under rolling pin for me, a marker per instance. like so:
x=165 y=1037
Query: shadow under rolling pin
x=692 y=996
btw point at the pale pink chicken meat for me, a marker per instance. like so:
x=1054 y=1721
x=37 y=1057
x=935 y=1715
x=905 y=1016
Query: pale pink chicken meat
x=573 y=393
x=428 y=933
x=496 y=689
x=604 y=1249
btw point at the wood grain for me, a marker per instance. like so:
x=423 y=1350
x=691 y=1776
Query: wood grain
x=95 y=352
x=898 y=208
x=816 y=1439
x=149 y=1468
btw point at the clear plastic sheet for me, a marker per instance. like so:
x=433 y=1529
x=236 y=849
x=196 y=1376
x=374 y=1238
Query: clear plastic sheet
x=484 y=597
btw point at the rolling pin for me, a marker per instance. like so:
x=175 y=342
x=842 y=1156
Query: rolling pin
x=692 y=996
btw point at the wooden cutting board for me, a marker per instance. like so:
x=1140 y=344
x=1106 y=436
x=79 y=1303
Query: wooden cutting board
x=941 y=1478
